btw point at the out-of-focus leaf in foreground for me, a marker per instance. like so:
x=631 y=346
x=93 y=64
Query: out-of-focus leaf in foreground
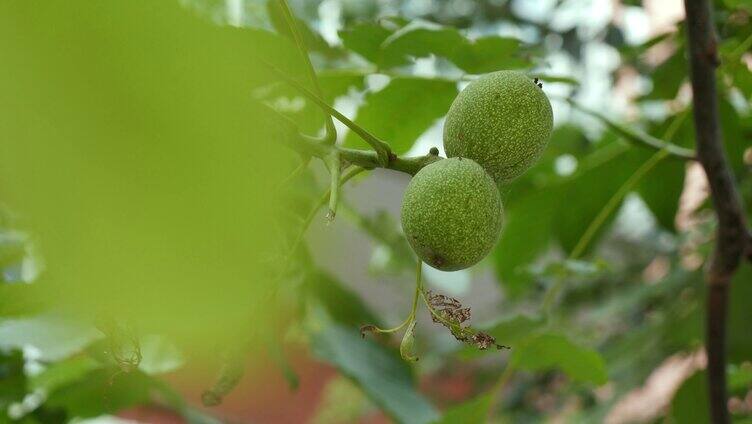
x=133 y=152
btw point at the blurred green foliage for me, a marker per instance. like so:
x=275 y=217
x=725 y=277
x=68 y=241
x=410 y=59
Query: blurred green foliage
x=137 y=160
x=142 y=179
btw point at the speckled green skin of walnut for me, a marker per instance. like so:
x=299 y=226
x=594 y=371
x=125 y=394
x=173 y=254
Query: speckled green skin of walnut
x=452 y=213
x=503 y=121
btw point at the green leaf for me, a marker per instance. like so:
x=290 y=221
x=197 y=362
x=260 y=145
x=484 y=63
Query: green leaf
x=408 y=344
x=551 y=351
x=531 y=207
x=629 y=53
x=12 y=378
x=589 y=190
x=100 y=392
x=312 y=40
x=305 y=113
x=474 y=411
x=515 y=330
x=669 y=76
x=365 y=39
x=341 y=303
x=63 y=373
x=509 y=332
x=403 y=110
x=690 y=403
x=526 y=234
x=493 y=53
x=308 y=116
x=380 y=372
x=567 y=143
x=336 y=83
x=421 y=39
x=56 y=337
x=661 y=189
x=740 y=377
x=571 y=269
x=742 y=4
x=21 y=300
x=743 y=81
x=735 y=141
x=740 y=302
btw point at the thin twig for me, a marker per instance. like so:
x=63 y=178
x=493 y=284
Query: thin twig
x=732 y=233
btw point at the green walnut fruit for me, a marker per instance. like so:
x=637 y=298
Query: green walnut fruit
x=451 y=214
x=503 y=121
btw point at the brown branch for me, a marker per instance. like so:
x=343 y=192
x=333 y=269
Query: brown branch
x=732 y=235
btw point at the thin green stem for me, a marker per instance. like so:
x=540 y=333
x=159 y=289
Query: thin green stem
x=636 y=136
x=676 y=124
x=498 y=388
x=625 y=188
x=553 y=292
x=600 y=219
x=335 y=169
x=744 y=46
x=413 y=310
x=382 y=149
x=299 y=169
x=614 y=202
x=319 y=204
x=407 y=320
x=292 y=24
x=311 y=146
x=364 y=158
x=418 y=287
x=370 y=160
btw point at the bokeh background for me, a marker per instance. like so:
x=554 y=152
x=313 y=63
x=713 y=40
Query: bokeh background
x=146 y=217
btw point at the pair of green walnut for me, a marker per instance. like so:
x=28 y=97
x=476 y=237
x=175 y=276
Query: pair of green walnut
x=496 y=129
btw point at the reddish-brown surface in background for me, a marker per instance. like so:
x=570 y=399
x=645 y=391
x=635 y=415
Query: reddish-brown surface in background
x=263 y=395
